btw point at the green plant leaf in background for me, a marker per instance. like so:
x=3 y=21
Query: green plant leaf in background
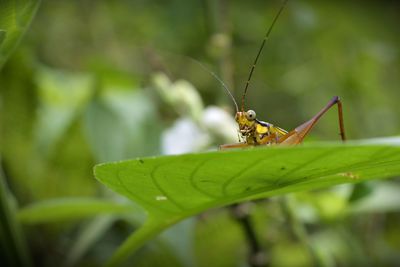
x=62 y=96
x=71 y=208
x=13 y=246
x=127 y=115
x=15 y=17
x=173 y=188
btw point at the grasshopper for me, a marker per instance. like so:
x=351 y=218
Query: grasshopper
x=255 y=132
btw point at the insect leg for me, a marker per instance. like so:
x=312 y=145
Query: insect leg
x=297 y=135
x=236 y=145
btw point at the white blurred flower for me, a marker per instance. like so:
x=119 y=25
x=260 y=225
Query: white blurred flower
x=220 y=123
x=197 y=128
x=181 y=95
x=184 y=137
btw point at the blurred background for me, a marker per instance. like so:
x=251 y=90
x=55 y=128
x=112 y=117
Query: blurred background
x=97 y=81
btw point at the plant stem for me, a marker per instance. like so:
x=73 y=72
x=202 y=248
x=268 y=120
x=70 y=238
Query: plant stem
x=219 y=28
x=12 y=240
x=298 y=230
x=257 y=256
x=147 y=231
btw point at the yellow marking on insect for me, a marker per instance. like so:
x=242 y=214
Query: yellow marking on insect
x=281 y=131
x=261 y=129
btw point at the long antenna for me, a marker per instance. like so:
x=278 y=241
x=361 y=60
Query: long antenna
x=259 y=51
x=220 y=81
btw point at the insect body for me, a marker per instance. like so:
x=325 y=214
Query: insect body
x=256 y=132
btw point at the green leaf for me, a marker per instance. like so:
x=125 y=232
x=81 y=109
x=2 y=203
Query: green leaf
x=62 y=96
x=172 y=188
x=15 y=17
x=119 y=122
x=91 y=233
x=70 y=208
x=384 y=197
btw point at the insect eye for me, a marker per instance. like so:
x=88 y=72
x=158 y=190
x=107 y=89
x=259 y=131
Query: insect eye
x=251 y=115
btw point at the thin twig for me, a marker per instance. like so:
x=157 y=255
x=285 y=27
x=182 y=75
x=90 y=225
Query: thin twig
x=298 y=229
x=257 y=256
x=12 y=240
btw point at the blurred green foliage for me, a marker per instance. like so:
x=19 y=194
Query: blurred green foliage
x=80 y=89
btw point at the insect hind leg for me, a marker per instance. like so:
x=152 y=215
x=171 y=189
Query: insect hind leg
x=340 y=115
x=335 y=100
x=297 y=135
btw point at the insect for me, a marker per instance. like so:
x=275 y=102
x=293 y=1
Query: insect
x=255 y=132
